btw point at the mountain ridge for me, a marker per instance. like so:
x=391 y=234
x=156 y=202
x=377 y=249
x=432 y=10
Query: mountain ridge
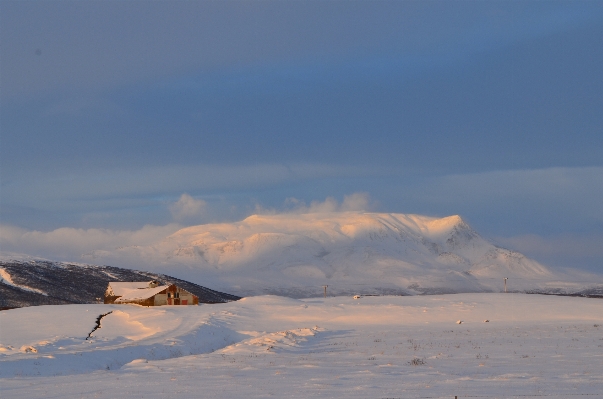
x=352 y=252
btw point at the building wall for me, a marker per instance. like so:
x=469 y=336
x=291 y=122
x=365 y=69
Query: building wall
x=182 y=295
x=161 y=299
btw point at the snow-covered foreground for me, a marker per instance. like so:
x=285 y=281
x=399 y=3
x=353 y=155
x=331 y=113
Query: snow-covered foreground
x=372 y=347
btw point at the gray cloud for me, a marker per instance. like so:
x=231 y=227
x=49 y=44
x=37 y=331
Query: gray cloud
x=77 y=244
x=519 y=201
x=99 y=44
x=63 y=189
x=582 y=251
x=187 y=208
x=351 y=202
x=70 y=244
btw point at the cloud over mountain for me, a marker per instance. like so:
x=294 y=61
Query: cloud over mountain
x=352 y=252
x=187 y=207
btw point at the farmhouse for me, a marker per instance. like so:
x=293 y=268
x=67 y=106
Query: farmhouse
x=148 y=293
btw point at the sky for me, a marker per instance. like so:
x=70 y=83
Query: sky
x=129 y=120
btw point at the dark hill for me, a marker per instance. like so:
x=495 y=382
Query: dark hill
x=65 y=283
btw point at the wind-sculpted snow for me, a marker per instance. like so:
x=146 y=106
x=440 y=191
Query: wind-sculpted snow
x=59 y=338
x=267 y=346
x=276 y=342
x=351 y=252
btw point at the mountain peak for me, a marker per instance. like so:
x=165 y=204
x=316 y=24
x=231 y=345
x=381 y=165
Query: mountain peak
x=445 y=225
x=294 y=253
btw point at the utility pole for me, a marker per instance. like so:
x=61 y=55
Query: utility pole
x=505 y=278
x=325 y=287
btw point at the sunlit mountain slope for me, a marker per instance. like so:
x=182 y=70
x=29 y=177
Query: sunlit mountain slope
x=352 y=252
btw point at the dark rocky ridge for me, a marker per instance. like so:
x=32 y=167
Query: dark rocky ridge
x=66 y=283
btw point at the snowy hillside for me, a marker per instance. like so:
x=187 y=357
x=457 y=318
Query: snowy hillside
x=266 y=346
x=27 y=282
x=351 y=252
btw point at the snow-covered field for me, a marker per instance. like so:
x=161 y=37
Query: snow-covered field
x=268 y=346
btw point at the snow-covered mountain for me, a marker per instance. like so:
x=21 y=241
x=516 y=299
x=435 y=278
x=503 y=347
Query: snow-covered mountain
x=351 y=252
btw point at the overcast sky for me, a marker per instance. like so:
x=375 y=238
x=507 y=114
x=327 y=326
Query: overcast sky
x=117 y=115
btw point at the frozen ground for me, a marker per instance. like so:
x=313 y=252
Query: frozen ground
x=261 y=347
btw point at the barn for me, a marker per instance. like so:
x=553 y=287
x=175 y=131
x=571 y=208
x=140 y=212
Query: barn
x=148 y=293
